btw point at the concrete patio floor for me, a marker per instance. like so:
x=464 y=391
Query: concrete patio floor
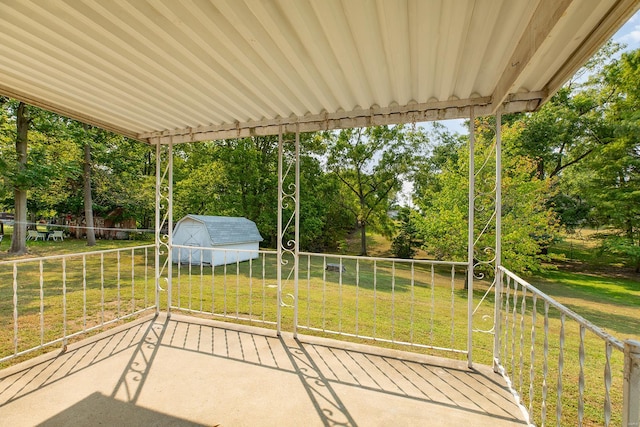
x=185 y=371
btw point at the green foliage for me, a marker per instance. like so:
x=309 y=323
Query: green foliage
x=405 y=243
x=624 y=247
x=371 y=164
x=528 y=225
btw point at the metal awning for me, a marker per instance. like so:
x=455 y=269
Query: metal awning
x=190 y=70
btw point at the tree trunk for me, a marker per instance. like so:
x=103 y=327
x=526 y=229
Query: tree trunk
x=363 y=239
x=19 y=239
x=88 y=201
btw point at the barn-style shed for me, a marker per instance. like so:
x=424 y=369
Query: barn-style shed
x=232 y=239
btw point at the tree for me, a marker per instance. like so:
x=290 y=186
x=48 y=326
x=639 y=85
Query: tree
x=528 y=224
x=371 y=164
x=88 y=200
x=611 y=179
x=405 y=243
x=18 y=240
x=25 y=164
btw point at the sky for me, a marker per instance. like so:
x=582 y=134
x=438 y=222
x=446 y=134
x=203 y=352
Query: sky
x=628 y=35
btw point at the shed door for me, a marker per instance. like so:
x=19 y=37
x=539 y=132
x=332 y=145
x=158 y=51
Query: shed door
x=192 y=237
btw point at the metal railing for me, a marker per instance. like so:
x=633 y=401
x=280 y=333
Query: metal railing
x=48 y=300
x=233 y=284
x=415 y=303
x=562 y=369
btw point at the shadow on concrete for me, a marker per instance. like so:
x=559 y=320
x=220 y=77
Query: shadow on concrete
x=98 y=409
x=161 y=371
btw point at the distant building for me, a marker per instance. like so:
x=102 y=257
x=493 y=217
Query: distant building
x=227 y=240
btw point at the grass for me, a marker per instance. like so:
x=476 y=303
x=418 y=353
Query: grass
x=393 y=304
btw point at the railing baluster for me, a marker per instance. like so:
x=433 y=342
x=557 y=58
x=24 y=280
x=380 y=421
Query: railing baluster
x=15 y=308
x=237 y=285
x=393 y=299
x=607 y=384
x=324 y=292
x=375 y=296
x=202 y=281
x=190 y=284
x=506 y=320
x=133 y=281
x=357 y=292
x=146 y=277
x=264 y=286
x=340 y=296
x=545 y=364
x=433 y=302
x=513 y=329
x=224 y=284
x=581 y=377
x=251 y=287
x=534 y=310
x=213 y=283
x=308 y=290
x=179 y=274
x=523 y=310
x=64 y=301
x=84 y=293
x=412 y=304
x=41 y=303
x=118 y=282
x=102 y=289
x=453 y=300
x=560 y=369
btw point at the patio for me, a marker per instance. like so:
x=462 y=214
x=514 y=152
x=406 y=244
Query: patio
x=171 y=72
x=189 y=371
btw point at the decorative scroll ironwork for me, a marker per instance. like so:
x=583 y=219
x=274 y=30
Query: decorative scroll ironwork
x=485 y=222
x=164 y=220
x=288 y=222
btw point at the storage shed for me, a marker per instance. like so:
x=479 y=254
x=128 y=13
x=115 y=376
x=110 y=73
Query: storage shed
x=231 y=239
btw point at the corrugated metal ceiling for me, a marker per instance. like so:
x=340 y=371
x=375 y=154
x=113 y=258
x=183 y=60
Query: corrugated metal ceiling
x=204 y=69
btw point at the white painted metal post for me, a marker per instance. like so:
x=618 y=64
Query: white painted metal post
x=631 y=386
x=162 y=218
x=497 y=272
x=158 y=268
x=280 y=234
x=296 y=237
x=470 y=243
x=170 y=227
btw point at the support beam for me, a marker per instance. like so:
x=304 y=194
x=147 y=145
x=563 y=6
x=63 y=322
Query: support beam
x=544 y=19
x=375 y=116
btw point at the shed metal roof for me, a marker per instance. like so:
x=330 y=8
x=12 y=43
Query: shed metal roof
x=225 y=230
x=167 y=70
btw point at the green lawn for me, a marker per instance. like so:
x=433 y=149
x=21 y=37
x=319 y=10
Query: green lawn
x=393 y=304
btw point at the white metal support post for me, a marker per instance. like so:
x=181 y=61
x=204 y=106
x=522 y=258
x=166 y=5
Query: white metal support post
x=170 y=227
x=631 y=386
x=296 y=236
x=164 y=217
x=280 y=234
x=498 y=262
x=157 y=229
x=471 y=239
x=288 y=239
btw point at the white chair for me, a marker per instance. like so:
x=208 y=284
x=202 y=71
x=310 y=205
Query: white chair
x=32 y=235
x=56 y=235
